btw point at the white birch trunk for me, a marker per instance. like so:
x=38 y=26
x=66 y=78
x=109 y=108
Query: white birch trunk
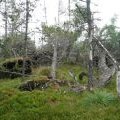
x=54 y=61
x=90 y=33
x=6 y=20
x=26 y=37
x=118 y=82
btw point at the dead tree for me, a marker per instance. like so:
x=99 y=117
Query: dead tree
x=69 y=10
x=108 y=73
x=26 y=36
x=6 y=20
x=54 y=60
x=90 y=64
x=45 y=12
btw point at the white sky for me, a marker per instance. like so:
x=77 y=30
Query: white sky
x=107 y=9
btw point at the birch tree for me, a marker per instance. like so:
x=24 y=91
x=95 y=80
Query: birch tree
x=26 y=37
x=90 y=64
x=60 y=40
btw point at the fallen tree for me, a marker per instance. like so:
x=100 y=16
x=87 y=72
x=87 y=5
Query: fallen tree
x=105 y=71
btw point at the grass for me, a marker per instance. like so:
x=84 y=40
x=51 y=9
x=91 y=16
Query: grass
x=99 y=97
x=49 y=104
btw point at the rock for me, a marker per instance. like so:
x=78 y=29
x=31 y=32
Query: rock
x=78 y=88
x=12 y=68
x=31 y=85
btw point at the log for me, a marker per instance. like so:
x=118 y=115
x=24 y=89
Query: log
x=107 y=52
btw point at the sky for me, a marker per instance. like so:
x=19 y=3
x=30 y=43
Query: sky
x=106 y=10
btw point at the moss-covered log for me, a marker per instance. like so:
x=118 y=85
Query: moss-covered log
x=12 y=68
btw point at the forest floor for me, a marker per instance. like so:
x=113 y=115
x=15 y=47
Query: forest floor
x=62 y=104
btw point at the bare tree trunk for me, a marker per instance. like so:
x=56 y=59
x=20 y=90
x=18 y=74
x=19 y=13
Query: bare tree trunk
x=69 y=13
x=6 y=20
x=58 y=12
x=45 y=10
x=118 y=83
x=107 y=52
x=26 y=37
x=69 y=9
x=102 y=61
x=54 y=61
x=13 y=24
x=90 y=64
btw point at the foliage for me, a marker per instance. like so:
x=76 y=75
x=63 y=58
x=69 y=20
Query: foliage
x=45 y=71
x=9 y=66
x=110 y=36
x=79 y=18
x=65 y=39
x=99 y=98
x=13 y=46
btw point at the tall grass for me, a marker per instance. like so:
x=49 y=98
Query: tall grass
x=99 y=98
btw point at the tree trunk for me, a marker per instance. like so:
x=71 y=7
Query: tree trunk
x=26 y=37
x=45 y=10
x=102 y=61
x=90 y=63
x=6 y=20
x=54 y=61
x=13 y=22
x=106 y=72
x=118 y=83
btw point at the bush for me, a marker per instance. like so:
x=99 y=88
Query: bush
x=9 y=66
x=99 y=98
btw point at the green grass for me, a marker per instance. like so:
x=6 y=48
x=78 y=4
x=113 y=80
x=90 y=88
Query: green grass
x=99 y=97
x=102 y=104
x=63 y=72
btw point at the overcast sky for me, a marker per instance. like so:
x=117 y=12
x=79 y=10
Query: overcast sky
x=107 y=9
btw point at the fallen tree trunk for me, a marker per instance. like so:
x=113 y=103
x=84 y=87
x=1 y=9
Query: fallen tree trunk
x=106 y=72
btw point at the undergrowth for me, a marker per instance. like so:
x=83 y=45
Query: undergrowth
x=99 y=97
x=101 y=104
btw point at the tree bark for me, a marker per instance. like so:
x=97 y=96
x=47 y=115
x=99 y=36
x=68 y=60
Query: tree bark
x=54 y=61
x=26 y=37
x=118 y=83
x=6 y=20
x=90 y=63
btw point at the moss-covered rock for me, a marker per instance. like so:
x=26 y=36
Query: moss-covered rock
x=11 y=68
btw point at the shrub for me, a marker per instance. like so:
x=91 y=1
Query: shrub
x=99 y=98
x=9 y=66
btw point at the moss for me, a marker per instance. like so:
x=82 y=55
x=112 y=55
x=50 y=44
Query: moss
x=14 y=65
x=54 y=105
